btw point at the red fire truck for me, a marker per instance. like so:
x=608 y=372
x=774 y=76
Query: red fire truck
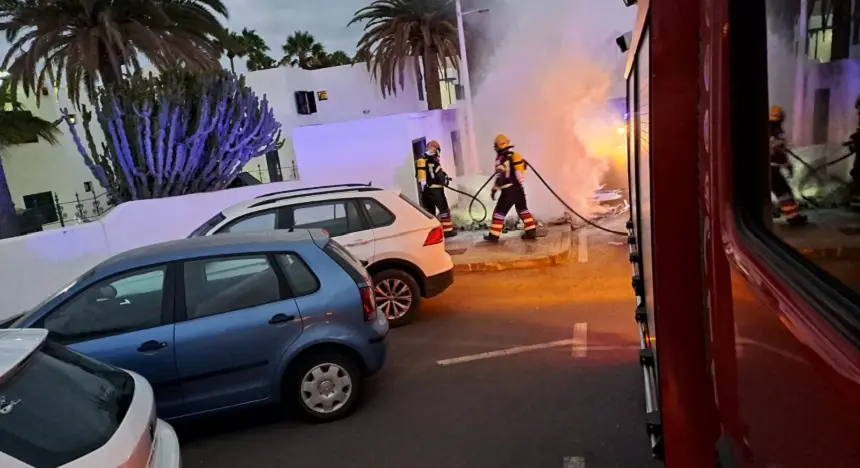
x=751 y=344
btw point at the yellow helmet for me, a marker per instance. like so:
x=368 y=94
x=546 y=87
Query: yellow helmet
x=502 y=142
x=776 y=114
x=433 y=147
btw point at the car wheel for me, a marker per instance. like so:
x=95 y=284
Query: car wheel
x=397 y=296
x=324 y=387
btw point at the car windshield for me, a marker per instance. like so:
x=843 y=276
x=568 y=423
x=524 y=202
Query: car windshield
x=60 y=405
x=207 y=226
x=16 y=320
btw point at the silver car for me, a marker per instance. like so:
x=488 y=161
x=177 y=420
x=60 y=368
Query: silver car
x=59 y=408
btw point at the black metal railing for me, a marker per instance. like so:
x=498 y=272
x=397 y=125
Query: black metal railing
x=80 y=210
x=90 y=206
x=261 y=173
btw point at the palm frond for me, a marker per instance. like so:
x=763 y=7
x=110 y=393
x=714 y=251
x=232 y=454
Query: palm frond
x=85 y=43
x=398 y=33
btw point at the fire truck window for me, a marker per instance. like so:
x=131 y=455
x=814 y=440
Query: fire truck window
x=814 y=131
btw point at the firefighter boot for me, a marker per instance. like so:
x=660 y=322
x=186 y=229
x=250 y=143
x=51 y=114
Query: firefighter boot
x=530 y=234
x=491 y=238
x=450 y=233
x=799 y=220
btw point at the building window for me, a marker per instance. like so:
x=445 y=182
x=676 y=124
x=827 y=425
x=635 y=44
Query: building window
x=819 y=33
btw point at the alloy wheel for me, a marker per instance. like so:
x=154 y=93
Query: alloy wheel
x=393 y=297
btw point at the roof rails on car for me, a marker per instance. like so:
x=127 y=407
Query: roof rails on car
x=361 y=188
x=313 y=188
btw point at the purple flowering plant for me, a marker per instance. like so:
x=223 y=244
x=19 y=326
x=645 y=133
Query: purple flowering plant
x=178 y=133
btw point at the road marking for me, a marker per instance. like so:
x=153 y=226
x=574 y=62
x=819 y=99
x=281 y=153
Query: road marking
x=583 y=246
x=574 y=462
x=525 y=349
x=580 y=340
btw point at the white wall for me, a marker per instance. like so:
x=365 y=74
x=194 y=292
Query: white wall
x=37 y=265
x=352 y=95
x=39 y=167
x=377 y=150
x=842 y=78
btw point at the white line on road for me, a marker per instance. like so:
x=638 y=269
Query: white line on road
x=574 y=462
x=525 y=349
x=583 y=246
x=580 y=340
x=505 y=352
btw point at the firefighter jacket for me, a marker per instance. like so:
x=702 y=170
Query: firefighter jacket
x=778 y=155
x=430 y=172
x=510 y=170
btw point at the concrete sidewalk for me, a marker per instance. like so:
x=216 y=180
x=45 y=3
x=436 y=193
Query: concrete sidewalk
x=470 y=252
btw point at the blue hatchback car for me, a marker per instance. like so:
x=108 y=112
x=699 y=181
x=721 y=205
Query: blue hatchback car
x=230 y=321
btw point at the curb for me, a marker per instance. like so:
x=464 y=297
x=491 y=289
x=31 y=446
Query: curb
x=550 y=260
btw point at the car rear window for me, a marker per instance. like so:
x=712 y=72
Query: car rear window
x=417 y=207
x=60 y=405
x=347 y=261
x=207 y=226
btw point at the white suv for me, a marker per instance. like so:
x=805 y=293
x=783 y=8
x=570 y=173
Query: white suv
x=61 y=408
x=402 y=245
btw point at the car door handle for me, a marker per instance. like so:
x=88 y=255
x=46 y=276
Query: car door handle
x=151 y=345
x=281 y=318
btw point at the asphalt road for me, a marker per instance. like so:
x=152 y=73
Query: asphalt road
x=581 y=399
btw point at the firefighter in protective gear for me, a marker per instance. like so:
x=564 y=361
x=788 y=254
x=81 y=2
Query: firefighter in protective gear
x=853 y=145
x=778 y=161
x=433 y=180
x=510 y=178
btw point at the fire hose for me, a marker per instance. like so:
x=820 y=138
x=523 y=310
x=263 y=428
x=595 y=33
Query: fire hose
x=474 y=198
x=814 y=171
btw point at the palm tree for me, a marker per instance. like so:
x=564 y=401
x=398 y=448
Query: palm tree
x=258 y=57
x=233 y=45
x=300 y=49
x=326 y=60
x=84 y=41
x=17 y=126
x=399 y=33
x=338 y=58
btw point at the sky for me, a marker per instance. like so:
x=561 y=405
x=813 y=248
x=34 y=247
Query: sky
x=274 y=20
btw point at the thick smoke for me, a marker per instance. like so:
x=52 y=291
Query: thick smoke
x=548 y=82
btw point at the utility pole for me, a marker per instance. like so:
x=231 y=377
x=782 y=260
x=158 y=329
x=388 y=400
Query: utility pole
x=800 y=74
x=469 y=114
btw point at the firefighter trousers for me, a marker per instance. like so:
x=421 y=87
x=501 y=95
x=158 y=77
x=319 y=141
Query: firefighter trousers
x=436 y=203
x=512 y=197
x=780 y=188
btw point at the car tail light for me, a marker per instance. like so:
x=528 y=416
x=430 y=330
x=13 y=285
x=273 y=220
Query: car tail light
x=436 y=236
x=368 y=303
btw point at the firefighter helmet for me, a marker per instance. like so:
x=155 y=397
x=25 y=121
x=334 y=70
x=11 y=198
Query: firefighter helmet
x=776 y=114
x=433 y=148
x=501 y=142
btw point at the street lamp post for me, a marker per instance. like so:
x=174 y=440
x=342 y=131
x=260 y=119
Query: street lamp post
x=467 y=88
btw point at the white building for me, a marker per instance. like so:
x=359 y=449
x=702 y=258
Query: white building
x=40 y=174
x=826 y=96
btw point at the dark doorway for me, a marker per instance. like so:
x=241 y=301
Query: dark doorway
x=821 y=116
x=43 y=203
x=273 y=161
x=419 y=145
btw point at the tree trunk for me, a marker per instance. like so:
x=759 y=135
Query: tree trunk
x=9 y=223
x=841 y=41
x=431 y=83
x=232 y=67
